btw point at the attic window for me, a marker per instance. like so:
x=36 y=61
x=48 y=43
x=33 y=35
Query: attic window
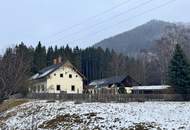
x=55 y=74
x=76 y=75
x=61 y=75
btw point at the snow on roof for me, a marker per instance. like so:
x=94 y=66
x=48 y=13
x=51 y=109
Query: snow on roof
x=111 y=80
x=34 y=76
x=94 y=83
x=46 y=73
x=48 y=70
x=153 y=87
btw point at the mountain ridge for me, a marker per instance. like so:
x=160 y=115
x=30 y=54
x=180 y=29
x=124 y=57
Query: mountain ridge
x=133 y=41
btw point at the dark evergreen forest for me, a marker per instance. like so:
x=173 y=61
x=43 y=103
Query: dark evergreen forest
x=94 y=63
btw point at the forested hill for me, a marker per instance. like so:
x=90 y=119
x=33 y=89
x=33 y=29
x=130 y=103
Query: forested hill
x=137 y=39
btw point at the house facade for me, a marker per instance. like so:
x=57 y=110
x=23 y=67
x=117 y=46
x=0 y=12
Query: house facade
x=61 y=77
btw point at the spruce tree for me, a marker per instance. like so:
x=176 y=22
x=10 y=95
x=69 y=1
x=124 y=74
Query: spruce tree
x=56 y=52
x=39 y=60
x=77 y=57
x=179 y=71
x=50 y=54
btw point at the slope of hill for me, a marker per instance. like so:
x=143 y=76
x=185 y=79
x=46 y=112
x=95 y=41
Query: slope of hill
x=90 y=116
x=137 y=39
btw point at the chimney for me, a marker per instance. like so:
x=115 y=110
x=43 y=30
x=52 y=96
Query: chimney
x=54 y=61
x=59 y=60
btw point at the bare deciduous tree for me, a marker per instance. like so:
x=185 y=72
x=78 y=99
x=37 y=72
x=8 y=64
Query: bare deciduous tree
x=14 y=69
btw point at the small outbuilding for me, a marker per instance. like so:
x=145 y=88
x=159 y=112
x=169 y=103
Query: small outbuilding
x=154 y=89
x=112 y=85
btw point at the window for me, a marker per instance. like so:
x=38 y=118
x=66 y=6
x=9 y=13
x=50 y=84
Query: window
x=43 y=88
x=72 y=88
x=58 y=87
x=61 y=75
x=70 y=75
x=34 y=89
x=38 y=88
x=54 y=74
x=76 y=75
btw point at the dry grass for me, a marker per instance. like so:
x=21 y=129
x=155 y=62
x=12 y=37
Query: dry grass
x=66 y=119
x=144 y=126
x=8 y=104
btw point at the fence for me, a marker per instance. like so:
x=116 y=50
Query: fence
x=108 y=98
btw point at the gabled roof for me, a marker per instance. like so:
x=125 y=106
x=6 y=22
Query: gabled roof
x=111 y=80
x=68 y=64
x=50 y=69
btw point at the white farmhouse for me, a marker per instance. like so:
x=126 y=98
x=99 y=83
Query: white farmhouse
x=62 y=77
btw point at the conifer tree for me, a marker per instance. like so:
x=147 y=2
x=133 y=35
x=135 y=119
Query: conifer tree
x=56 y=52
x=179 y=71
x=68 y=53
x=77 y=57
x=50 y=54
x=39 y=58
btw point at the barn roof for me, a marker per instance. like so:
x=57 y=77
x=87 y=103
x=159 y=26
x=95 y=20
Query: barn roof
x=50 y=69
x=111 y=80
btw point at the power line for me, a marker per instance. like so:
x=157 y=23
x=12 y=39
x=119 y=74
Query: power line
x=105 y=20
x=90 y=18
x=128 y=19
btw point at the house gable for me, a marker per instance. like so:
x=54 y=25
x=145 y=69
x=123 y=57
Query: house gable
x=59 y=77
x=65 y=78
x=129 y=82
x=64 y=72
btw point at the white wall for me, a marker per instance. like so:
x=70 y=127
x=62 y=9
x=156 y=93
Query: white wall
x=65 y=82
x=37 y=87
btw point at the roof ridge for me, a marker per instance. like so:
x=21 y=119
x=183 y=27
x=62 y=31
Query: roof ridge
x=49 y=69
x=117 y=76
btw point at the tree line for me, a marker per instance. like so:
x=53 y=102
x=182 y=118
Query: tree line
x=94 y=63
x=19 y=63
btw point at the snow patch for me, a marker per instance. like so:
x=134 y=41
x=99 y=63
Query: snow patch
x=153 y=87
x=165 y=115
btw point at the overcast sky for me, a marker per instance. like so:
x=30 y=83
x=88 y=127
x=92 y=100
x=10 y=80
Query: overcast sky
x=48 y=20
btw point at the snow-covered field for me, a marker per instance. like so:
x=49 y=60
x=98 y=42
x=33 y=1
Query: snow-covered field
x=104 y=116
